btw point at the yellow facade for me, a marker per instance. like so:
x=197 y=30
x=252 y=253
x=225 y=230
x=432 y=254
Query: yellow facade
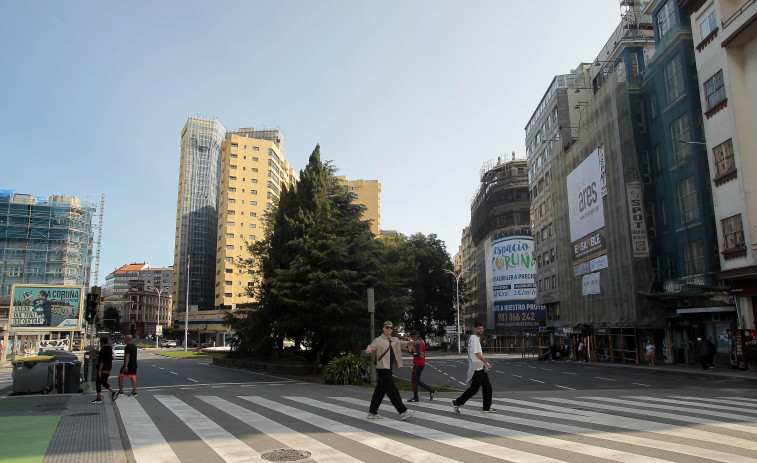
x=252 y=172
x=369 y=194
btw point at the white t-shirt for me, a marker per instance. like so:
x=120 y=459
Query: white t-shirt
x=650 y=348
x=474 y=363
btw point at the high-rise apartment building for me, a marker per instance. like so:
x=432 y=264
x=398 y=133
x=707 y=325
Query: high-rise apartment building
x=197 y=213
x=253 y=170
x=368 y=194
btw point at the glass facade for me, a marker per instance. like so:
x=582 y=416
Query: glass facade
x=44 y=241
x=197 y=212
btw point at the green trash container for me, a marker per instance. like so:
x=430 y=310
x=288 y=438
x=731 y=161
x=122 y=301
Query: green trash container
x=33 y=374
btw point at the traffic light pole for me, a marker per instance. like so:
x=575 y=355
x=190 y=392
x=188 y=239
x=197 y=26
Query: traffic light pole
x=90 y=315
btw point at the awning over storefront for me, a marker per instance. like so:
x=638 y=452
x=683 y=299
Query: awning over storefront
x=727 y=308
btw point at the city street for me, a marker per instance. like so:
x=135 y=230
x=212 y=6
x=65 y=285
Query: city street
x=189 y=410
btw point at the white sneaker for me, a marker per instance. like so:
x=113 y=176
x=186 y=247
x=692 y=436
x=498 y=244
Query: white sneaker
x=374 y=416
x=406 y=415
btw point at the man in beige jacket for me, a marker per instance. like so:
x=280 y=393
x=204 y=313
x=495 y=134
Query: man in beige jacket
x=388 y=353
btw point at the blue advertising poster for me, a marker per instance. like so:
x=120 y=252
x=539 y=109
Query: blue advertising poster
x=46 y=308
x=511 y=287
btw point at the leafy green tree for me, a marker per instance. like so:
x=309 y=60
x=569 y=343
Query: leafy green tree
x=315 y=262
x=111 y=319
x=430 y=289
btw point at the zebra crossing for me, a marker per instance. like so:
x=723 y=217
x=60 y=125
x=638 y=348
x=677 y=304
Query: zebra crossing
x=244 y=427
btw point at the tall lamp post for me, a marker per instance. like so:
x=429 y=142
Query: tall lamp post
x=157 y=322
x=457 y=295
x=186 y=307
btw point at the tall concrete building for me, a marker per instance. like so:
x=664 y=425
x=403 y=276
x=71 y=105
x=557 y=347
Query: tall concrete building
x=499 y=213
x=253 y=171
x=197 y=214
x=142 y=296
x=46 y=241
x=725 y=39
x=368 y=194
x=43 y=241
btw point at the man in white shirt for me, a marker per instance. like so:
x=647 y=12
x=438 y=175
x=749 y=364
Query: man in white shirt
x=477 y=373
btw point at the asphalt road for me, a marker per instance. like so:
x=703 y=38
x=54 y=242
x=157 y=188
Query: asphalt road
x=189 y=410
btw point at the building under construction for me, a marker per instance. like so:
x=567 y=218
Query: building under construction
x=47 y=241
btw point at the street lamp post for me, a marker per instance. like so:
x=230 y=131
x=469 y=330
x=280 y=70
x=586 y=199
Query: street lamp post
x=157 y=322
x=457 y=295
x=186 y=307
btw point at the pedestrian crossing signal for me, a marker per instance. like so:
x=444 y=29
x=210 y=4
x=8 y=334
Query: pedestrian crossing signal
x=93 y=300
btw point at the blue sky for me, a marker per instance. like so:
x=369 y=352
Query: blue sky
x=415 y=94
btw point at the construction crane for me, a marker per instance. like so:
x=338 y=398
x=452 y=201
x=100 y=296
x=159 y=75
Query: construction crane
x=99 y=239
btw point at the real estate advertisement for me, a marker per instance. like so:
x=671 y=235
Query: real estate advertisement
x=511 y=289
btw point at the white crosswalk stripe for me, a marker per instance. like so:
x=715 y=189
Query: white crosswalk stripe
x=542 y=429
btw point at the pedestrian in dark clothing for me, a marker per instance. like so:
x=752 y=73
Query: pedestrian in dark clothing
x=703 y=352
x=711 y=349
x=129 y=370
x=104 y=365
x=419 y=362
x=388 y=353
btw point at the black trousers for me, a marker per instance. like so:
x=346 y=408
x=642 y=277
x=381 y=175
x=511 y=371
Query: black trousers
x=102 y=380
x=480 y=380
x=385 y=386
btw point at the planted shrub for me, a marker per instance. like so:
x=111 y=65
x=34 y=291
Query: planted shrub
x=348 y=370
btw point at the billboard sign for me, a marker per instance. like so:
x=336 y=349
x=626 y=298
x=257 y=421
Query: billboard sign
x=586 y=213
x=511 y=289
x=637 y=219
x=46 y=308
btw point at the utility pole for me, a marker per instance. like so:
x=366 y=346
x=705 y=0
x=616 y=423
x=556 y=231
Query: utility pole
x=186 y=313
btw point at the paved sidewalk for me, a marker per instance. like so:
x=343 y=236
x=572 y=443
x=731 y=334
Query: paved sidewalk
x=84 y=433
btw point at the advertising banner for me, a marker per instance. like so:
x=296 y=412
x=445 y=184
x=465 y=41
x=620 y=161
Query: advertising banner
x=510 y=269
x=586 y=213
x=589 y=247
x=46 y=308
x=639 y=243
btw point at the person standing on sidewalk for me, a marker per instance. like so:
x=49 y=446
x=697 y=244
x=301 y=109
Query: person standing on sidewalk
x=711 y=349
x=129 y=370
x=703 y=352
x=388 y=353
x=651 y=352
x=581 y=351
x=104 y=365
x=419 y=361
x=477 y=373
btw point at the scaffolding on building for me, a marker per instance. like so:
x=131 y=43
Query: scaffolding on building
x=44 y=241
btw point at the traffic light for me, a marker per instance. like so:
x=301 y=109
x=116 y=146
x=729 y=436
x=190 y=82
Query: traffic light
x=93 y=301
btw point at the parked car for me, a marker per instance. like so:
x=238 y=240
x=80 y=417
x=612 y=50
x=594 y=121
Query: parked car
x=119 y=351
x=209 y=344
x=169 y=343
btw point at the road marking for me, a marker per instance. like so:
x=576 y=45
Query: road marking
x=645 y=424
x=543 y=441
x=604 y=379
x=193 y=380
x=536 y=381
x=287 y=436
x=174 y=373
x=147 y=443
x=225 y=444
x=642 y=384
x=368 y=439
x=569 y=373
x=565 y=387
x=517 y=376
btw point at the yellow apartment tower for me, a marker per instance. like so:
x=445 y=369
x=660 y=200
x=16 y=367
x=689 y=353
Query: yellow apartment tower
x=369 y=194
x=253 y=169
